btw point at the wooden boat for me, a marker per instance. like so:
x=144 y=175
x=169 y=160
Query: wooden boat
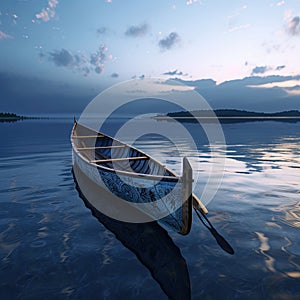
x=135 y=177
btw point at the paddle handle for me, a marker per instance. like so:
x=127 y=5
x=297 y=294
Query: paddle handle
x=199 y=205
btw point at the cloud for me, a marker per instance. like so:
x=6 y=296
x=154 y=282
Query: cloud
x=280 y=3
x=140 y=77
x=274 y=97
x=52 y=3
x=256 y=90
x=264 y=69
x=48 y=12
x=45 y=14
x=200 y=83
x=294 y=26
x=293 y=91
x=62 y=58
x=169 y=42
x=137 y=31
x=46 y=96
x=79 y=62
x=190 y=2
x=260 y=70
x=274 y=47
x=97 y=59
x=279 y=68
x=114 y=75
x=239 y=27
x=35 y=95
x=4 y=36
x=102 y=30
x=234 y=19
x=172 y=73
x=287 y=84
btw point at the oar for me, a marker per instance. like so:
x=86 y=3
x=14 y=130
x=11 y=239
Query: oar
x=220 y=239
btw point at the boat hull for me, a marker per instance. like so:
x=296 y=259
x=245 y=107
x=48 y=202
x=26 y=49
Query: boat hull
x=160 y=200
x=134 y=179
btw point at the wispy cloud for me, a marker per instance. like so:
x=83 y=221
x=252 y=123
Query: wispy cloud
x=279 y=68
x=79 y=62
x=47 y=13
x=237 y=13
x=172 y=73
x=4 y=36
x=260 y=70
x=137 y=30
x=169 y=42
x=114 y=75
x=102 y=30
x=62 y=58
x=271 y=47
x=234 y=19
x=294 y=26
x=264 y=69
x=97 y=59
x=190 y=2
x=239 y=27
x=293 y=91
x=280 y=3
x=290 y=83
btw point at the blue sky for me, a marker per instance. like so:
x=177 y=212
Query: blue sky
x=83 y=46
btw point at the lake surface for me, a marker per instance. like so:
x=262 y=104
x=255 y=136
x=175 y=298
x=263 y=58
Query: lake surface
x=53 y=247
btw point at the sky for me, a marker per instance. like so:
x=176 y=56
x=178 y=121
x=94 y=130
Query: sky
x=237 y=54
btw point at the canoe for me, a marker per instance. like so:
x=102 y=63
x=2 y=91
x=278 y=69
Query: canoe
x=135 y=177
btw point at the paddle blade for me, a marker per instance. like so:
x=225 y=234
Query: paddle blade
x=221 y=241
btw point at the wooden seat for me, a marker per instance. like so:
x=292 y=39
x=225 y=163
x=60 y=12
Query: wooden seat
x=99 y=148
x=87 y=136
x=119 y=159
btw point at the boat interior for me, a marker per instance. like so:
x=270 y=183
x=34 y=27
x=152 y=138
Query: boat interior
x=105 y=151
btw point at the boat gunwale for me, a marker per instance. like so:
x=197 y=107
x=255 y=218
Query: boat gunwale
x=121 y=172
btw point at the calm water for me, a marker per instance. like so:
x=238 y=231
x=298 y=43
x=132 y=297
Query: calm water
x=53 y=247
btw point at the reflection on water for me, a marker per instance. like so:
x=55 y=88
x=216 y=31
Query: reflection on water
x=52 y=247
x=151 y=244
x=263 y=249
x=292 y=215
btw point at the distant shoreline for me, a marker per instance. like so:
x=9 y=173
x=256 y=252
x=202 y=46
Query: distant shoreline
x=12 y=117
x=230 y=116
x=206 y=116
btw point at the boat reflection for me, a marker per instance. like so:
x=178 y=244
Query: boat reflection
x=151 y=244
